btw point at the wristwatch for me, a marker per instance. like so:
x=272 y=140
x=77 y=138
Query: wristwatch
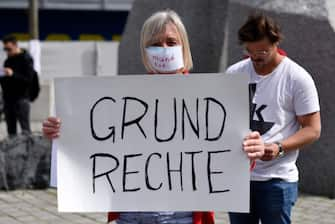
x=281 y=150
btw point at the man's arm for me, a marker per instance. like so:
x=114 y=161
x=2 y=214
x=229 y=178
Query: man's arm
x=26 y=72
x=308 y=133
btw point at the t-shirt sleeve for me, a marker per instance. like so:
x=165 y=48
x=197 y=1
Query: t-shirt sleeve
x=306 y=99
x=239 y=67
x=231 y=69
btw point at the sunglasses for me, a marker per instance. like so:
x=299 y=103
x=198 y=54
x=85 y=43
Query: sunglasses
x=256 y=53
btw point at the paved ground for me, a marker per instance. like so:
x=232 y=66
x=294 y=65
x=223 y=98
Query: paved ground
x=40 y=207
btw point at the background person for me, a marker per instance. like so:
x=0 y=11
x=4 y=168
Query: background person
x=15 y=81
x=285 y=110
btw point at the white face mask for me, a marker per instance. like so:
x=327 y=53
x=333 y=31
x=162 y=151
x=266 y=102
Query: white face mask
x=165 y=59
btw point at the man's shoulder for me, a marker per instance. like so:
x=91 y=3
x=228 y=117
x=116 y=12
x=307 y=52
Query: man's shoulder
x=25 y=56
x=239 y=66
x=295 y=70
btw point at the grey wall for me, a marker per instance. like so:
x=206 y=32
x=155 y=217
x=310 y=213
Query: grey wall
x=75 y=58
x=68 y=59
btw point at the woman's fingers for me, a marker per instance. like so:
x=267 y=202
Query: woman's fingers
x=53 y=119
x=56 y=135
x=52 y=122
x=51 y=135
x=51 y=127
x=50 y=130
x=47 y=124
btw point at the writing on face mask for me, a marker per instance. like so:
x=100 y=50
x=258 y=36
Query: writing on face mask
x=165 y=59
x=161 y=62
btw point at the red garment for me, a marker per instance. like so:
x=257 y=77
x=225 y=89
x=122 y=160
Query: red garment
x=282 y=52
x=252 y=165
x=198 y=217
x=111 y=216
x=203 y=218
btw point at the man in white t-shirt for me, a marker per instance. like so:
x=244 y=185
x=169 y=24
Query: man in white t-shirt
x=284 y=108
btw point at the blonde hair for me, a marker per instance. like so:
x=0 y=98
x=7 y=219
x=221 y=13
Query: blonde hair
x=156 y=24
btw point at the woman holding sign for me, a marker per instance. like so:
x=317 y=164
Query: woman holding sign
x=165 y=50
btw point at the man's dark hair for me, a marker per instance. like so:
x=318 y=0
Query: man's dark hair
x=9 y=39
x=259 y=26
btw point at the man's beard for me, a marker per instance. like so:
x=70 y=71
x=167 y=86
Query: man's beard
x=259 y=62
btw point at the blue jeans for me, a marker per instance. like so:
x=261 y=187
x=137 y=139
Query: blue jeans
x=270 y=202
x=155 y=218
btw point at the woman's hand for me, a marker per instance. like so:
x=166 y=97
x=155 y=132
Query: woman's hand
x=253 y=145
x=51 y=127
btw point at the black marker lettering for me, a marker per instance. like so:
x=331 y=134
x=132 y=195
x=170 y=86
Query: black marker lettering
x=209 y=99
x=210 y=172
x=194 y=181
x=195 y=129
x=180 y=170
x=135 y=121
x=175 y=121
x=112 y=128
x=103 y=155
x=149 y=186
x=125 y=172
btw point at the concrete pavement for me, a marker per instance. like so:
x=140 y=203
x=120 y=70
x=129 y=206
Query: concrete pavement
x=40 y=207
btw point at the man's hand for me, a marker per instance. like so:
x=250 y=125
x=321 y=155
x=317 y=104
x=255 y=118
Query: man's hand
x=253 y=145
x=8 y=72
x=271 y=152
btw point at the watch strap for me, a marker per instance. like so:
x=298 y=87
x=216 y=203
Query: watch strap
x=281 y=150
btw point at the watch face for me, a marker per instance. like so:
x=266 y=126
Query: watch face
x=281 y=151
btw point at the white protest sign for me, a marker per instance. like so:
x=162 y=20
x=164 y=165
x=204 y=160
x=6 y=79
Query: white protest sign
x=53 y=168
x=153 y=143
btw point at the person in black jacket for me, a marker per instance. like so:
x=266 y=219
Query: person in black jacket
x=15 y=81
